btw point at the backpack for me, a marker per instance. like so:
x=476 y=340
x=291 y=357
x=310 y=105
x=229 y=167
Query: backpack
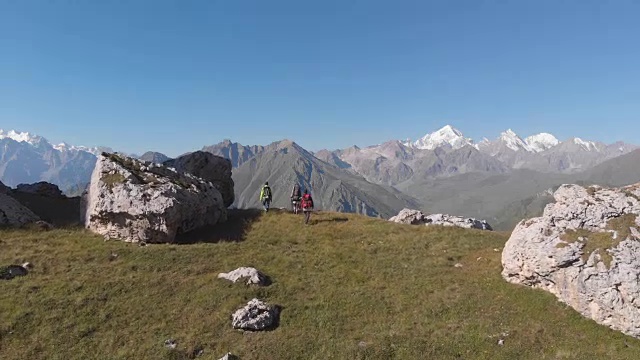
x=307 y=202
x=296 y=191
x=267 y=192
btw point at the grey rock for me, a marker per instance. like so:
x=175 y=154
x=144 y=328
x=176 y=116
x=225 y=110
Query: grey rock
x=560 y=253
x=12 y=271
x=409 y=216
x=4 y=189
x=43 y=225
x=416 y=217
x=208 y=167
x=137 y=201
x=42 y=188
x=459 y=221
x=12 y=213
x=256 y=315
x=252 y=275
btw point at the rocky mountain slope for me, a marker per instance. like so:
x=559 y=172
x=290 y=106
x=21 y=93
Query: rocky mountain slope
x=447 y=152
x=235 y=152
x=283 y=163
x=447 y=172
x=154 y=157
x=27 y=158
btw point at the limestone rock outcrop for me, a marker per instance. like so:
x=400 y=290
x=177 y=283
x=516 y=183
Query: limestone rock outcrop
x=136 y=201
x=41 y=188
x=256 y=315
x=12 y=213
x=252 y=275
x=208 y=167
x=416 y=217
x=459 y=221
x=409 y=216
x=584 y=250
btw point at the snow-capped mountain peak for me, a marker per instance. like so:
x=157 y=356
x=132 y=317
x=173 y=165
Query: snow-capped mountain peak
x=446 y=135
x=541 y=142
x=513 y=141
x=20 y=136
x=586 y=145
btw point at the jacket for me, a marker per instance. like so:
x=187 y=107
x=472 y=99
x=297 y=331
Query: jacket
x=307 y=201
x=263 y=194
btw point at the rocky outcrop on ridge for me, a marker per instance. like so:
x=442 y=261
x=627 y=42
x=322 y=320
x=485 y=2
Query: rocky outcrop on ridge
x=42 y=188
x=408 y=216
x=584 y=250
x=459 y=221
x=208 y=167
x=416 y=217
x=136 y=201
x=12 y=213
x=4 y=188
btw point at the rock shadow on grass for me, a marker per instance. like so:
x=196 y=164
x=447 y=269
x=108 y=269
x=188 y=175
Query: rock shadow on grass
x=233 y=230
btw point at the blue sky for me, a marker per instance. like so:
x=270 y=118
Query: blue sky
x=173 y=76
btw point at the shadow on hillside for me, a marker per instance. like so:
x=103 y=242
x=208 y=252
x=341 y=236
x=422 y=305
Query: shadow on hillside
x=331 y=219
x=60 y=212
x=233 y=230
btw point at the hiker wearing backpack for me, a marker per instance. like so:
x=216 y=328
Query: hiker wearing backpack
x=265 y=196
x=307 y=206
x=295 y=198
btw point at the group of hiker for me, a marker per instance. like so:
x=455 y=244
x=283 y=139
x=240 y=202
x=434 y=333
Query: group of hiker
x=299 y=200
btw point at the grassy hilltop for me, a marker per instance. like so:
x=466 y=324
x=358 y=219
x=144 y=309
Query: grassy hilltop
x=351 y=287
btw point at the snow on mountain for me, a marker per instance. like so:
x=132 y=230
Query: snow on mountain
x=446 y=135
x=541 y=142
x=36 y=140
x=513 y=141
x=20 y=136
x=586 y=145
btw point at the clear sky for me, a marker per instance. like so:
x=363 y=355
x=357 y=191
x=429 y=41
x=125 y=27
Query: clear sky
x=173 y=76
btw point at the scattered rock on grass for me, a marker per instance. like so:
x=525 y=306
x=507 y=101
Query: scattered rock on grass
x=170 y=344
x=43 y=225
x=254 y=276
x=229 y=356
x=256 y=315
x=12 y=271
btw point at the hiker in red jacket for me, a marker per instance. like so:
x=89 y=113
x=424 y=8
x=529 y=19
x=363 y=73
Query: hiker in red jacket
x=307 y=205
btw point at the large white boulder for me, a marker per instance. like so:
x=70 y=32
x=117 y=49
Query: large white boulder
x=584 y=250
x=133 y=200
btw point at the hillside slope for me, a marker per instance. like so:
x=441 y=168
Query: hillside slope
x=283 y=163
x=350 y=287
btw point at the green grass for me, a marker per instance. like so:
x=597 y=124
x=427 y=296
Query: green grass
x=600 y=241
x=351 y=287
x=111 y=179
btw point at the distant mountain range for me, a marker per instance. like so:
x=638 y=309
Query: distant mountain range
x=443 y=171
